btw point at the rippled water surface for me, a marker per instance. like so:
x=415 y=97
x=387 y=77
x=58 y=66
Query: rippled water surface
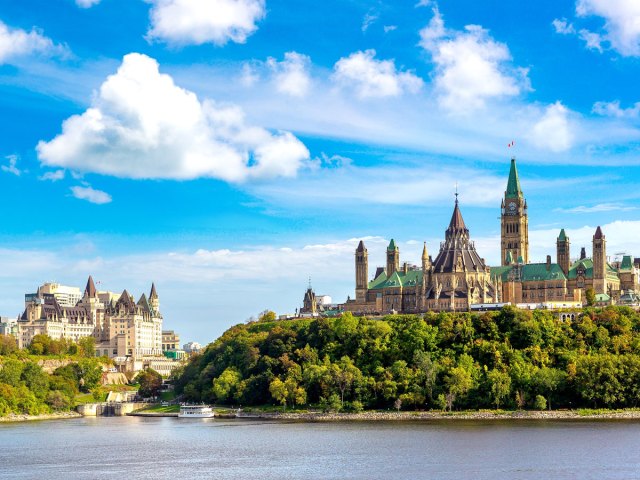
x=141 y=448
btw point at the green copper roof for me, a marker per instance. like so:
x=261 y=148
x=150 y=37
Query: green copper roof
x=563 y=236
x=513 y=185
x=392 y=245
x=531 y=272
x=588 y=268
x=398 y=279
x=627 y=263
x=602 y=297
x=520 y=259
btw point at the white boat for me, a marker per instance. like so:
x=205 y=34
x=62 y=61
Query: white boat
x=195 y=411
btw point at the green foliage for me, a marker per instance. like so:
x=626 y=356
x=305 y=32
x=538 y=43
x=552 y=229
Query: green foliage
x=8 y=344
x=505 y=359
x=540 y=403
x=150 y=382
x=590 y=296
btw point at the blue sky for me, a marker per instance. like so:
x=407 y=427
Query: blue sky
x=230 y=149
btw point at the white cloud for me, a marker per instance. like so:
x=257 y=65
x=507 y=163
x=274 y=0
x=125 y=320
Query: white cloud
x=87 y=3
x=53 y=176
x=369 y=19
x=613 y=109
x=389 y=28
x=248 y=76
x=593 y=40
x=374 y=78
x=423 y=3
x=91 y=195
x=195 y=22
x=15 y=42
x=563 y=27
x=622 y=22
x=142 y=125
x=291 y=76
x=553 y=131
x=12 y=168
x=601 y=207
x=471 y=67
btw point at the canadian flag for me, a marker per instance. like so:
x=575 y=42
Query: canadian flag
x=511 y=144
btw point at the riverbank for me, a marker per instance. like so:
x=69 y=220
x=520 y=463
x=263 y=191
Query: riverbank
x=426 y=416
x=47 y=416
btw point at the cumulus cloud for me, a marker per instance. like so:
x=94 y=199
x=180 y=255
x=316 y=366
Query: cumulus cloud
x=563 y=27
x=142 y=125
x=15 y=42
x=87 y=3
x=553 y=131
x=470 y=66
x=370 y=77
x=91 y=195
x=291 y=76
x=195 y=22
x=11 y=167
x=613 y=109
x=53 y=176
x=621 y=23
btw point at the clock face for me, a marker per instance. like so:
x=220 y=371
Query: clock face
x=512 y=207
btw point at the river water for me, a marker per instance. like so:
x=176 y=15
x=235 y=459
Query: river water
x=158 y=448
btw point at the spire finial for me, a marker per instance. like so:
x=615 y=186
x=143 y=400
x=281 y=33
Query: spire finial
x=309 y=282
x=456 y=192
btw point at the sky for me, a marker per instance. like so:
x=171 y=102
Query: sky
x=231 y=151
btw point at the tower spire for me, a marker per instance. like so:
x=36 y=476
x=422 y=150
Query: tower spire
x=513 y=185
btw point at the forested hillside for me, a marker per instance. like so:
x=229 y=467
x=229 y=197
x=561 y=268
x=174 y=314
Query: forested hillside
x=506 y=359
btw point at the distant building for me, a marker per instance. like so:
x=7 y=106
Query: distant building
x=170 y=340
x=192 y=347
x=127 y=331
x=8 y=326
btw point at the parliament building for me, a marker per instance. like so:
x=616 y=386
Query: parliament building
x=459 y=277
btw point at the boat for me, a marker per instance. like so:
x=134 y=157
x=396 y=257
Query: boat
x=195 y=411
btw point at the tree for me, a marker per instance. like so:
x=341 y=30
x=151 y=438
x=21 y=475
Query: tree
x=549 y=380
x=590 y=296
x=150 y=382
x=287 y=392
x=36 y=380
x=87 y=347
x=267 y=316
x=398 y=404
x=500 y=385
x=458 y=382
x=427 y=371
x=343 y=374
x=225 y=385
x=11 y=372
x=8 y=344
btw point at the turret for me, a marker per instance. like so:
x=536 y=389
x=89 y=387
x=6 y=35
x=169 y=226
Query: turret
x=362 y=272
x=599 y=261
x=563 y=252
x=393 y=258
x=154 y=301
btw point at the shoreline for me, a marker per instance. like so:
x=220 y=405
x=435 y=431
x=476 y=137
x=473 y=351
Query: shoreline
x=437 y=416
x=13 y=418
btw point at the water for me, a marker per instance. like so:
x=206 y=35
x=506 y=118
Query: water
x=141 y=448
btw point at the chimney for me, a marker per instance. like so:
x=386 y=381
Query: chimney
x=583 y=253
x=548 y=262
x=405 y=267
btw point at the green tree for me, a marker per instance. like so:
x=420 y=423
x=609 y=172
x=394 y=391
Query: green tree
x=590 y=296
x=8 y=344
x=224 y=386
x=150 y=382
x=11 y=372
x=344 y=374
x=87 y=347
x=36 y=380
x=549 y=380
x=500 y=385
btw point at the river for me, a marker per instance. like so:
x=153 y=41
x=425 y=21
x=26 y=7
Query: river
x=153 y=448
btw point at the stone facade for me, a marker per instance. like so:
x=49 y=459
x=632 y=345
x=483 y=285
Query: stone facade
x=457 y=278
x=123 y=329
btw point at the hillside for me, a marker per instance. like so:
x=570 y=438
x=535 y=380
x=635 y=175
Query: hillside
x=506 y=359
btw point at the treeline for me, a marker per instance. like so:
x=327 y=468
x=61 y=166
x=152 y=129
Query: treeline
x=25 y=388
x=507 y=359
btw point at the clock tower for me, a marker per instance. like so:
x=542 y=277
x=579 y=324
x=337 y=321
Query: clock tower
x=514 y=221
